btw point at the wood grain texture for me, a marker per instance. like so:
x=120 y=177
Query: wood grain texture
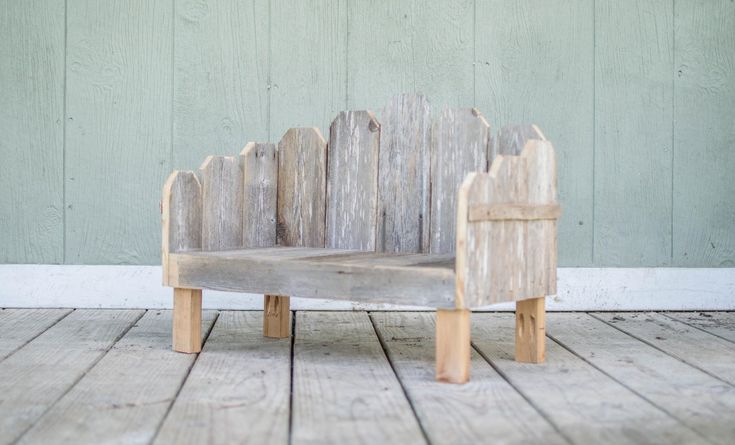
x=633 y=133
x=187 y=320
x=704 y=134
x=460 y=141
x=344 y=389
x=32 y=127
x=19 y=326
x=181 y=216
x=352 y=181
x=453 y=348
x=34 y=378
x=403 y=175
x=485 y=407
x=702 y=350
x=512 y=138
x=531 y=330
x=307 y=48
x=585 y=405
x=420 y=47
x=302 y=183
x=238 y=390
x=220 y=78
x=534 y=62
x=259 y=164
x=696 y=399
x=721 y=324
x=126 y=394
x=118 y=128
x=222 y=202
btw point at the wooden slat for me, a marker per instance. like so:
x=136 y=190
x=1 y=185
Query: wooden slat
x=485 y=407
x=221 y=180
x=238 y=390
x=403 y=175
x=690 y=345
x=429 y=286
x=696 y=399
x=302 y=158
x=19 y=326
x=259 y=164
x=126 y=395
x=721 y=324
x=584 y=404
x=181 y=216
x=352 y=183
x=35 y=377
x=510 y=212
x=459 y=145
x=344 y=390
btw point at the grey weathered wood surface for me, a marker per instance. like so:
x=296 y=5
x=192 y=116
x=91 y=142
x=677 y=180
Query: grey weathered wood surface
x=486 y=407
x=664 y=380
x=126 y=394
x=338 y=365
x=259 y=164
x=584 y=404
x=707 y=352
x=512 y=139
x=238 y=389
x=302 y=167
x=721 y=324
x=459 y=145
x=181 y=216
x=35 y=377
x=352 y=181
x=403 y=175
x=19 y=326
x=250 y=271
x=221 y=181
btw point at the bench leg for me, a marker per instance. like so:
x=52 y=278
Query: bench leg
x=453 y=345
x=531 y=330
x=187 y=320
x=276 y=315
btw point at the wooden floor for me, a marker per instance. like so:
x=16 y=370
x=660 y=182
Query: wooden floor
x=109 y=376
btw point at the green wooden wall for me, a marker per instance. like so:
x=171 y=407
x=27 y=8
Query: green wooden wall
x=100 y=99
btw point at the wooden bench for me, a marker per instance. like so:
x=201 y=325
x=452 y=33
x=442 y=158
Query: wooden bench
x=402 y=211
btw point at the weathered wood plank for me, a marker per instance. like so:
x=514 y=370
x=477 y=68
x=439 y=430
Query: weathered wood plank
x=459 y=145
x=415 y=285
x=126 y=395
x=221 y=181
x=403 y=175
x=709 y=353
x=259 y=164
x=19 y=326
x=32 y=75
x=238 y=389
x=344 y=389
x=34 y=378
x=302 y=158
x=721 y=324
x=352 y=182
x=485 y=407
x=698 y=400
x=181 y=216
x=584 y=404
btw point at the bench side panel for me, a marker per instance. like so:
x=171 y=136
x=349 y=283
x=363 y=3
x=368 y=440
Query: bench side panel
x=181 y=216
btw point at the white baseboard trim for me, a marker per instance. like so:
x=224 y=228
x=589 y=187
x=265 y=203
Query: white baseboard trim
x=579 y=289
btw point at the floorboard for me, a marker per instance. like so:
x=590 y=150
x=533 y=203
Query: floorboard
x=19 y=326
x=126 y=395
x=721 y=324
x=35 y=377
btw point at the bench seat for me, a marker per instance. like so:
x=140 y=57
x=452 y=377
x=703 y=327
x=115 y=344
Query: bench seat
x=408 y=279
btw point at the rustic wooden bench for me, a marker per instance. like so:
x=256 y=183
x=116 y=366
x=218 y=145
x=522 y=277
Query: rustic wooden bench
x=402 y=211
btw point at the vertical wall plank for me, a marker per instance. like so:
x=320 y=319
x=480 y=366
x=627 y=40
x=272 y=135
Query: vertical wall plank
x=352 y=181
x=221 y=180
x=32 y=128
x=220 y=83
x=534 y=63
x=259 y=164
x=459 y=145
x=403 y=175
x=118 y=129
x=308 y=63
x=704 y=134
x=633 y=133
x=421 y=46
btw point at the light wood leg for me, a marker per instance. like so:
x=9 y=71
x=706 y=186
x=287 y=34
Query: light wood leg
x=531 y=330
x=276 y=316
x=453 y=345
x=187 y=320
